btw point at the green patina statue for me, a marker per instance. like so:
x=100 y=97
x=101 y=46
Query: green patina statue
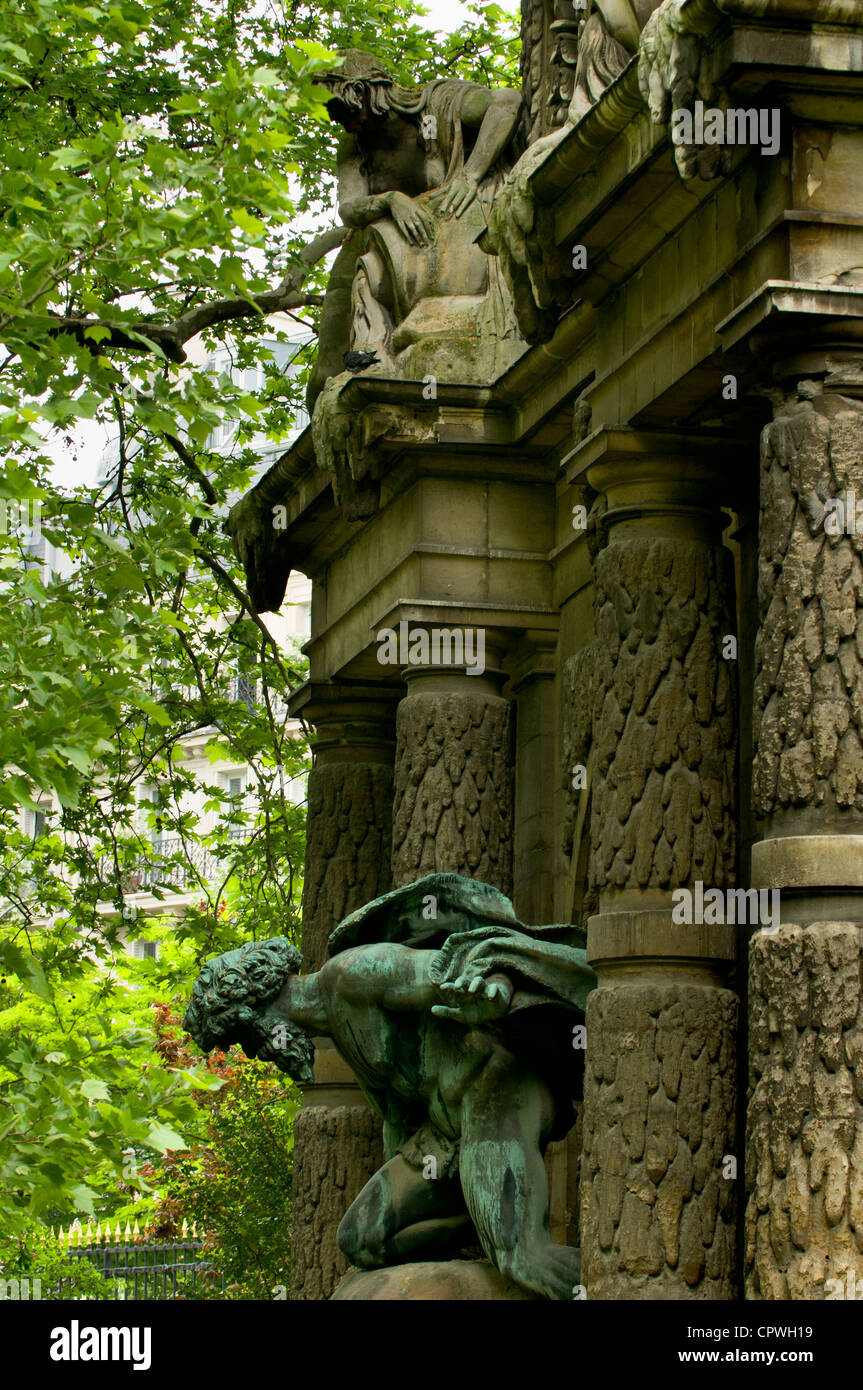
x=460 y=1024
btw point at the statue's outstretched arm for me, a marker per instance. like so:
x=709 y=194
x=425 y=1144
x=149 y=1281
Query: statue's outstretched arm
x=402 y=978
x=390 y=976
x=495 y=113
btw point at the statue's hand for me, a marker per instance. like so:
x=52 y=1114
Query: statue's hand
x=413 y=220
x=457 y=196
x=472 y=1000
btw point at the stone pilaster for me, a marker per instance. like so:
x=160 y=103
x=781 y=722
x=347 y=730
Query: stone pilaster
x=453 y=785
x=804 y=1219
x=534 y=693
x=660 y=1093
x=337 y=1139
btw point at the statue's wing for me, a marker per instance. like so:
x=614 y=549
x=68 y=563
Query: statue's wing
x=411 y=915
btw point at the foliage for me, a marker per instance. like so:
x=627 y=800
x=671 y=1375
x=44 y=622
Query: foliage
x=235 y=1181
x=163 y=163
x=87 y=1097
x=33 y=1254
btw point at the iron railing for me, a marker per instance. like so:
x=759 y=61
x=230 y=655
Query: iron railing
x=162 y=1270
x=157 y=870
x=140 y=1269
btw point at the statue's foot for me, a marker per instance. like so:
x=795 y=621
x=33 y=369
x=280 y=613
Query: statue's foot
x=553 y=1271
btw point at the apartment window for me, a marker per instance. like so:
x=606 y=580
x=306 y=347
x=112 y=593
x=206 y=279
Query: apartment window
x=145 y=950
x=245 y=690
x=150 y=797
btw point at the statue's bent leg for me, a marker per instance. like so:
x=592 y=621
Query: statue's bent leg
x=507 y=1116
x=401 y=1216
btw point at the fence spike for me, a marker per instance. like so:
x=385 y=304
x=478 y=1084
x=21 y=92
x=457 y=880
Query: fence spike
x=127 y=1234
x=136 y=1233
x=184 y=1229
x=88 y=1233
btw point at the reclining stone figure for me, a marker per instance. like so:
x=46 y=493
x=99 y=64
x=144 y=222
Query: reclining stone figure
x=458 y=1021
x=418 y=170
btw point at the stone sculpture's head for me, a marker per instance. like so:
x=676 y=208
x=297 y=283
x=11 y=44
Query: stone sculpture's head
x=233 y=999
x=360 y=89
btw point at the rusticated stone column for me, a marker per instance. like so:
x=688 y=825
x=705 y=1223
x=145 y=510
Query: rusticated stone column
x=336 y=1151
x=660 y=1091
x=804 y=1219
x=337 y=1139
x=453 y=792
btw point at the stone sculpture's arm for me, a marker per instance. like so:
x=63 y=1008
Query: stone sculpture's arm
x=358 y=207
x=495 y=114
x=402 y=979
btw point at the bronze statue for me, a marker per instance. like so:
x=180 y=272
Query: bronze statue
x=459 y=1023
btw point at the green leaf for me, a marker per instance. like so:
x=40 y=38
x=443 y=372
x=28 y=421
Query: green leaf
x=162 y=1138
x=94 y=1089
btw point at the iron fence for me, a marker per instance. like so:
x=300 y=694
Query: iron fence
x=156 y=871
x=162 y=1270
x=141 y=1269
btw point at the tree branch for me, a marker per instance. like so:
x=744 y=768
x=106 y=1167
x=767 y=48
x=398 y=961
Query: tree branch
x=243 y=599
x=169 y=338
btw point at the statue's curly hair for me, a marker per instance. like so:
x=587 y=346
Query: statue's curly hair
x=229 y=1005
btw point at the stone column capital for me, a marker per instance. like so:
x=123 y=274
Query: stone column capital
x=534 y=657
x=445 y=648
x=352 y=721
x=670 y=483
x=788 y=322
